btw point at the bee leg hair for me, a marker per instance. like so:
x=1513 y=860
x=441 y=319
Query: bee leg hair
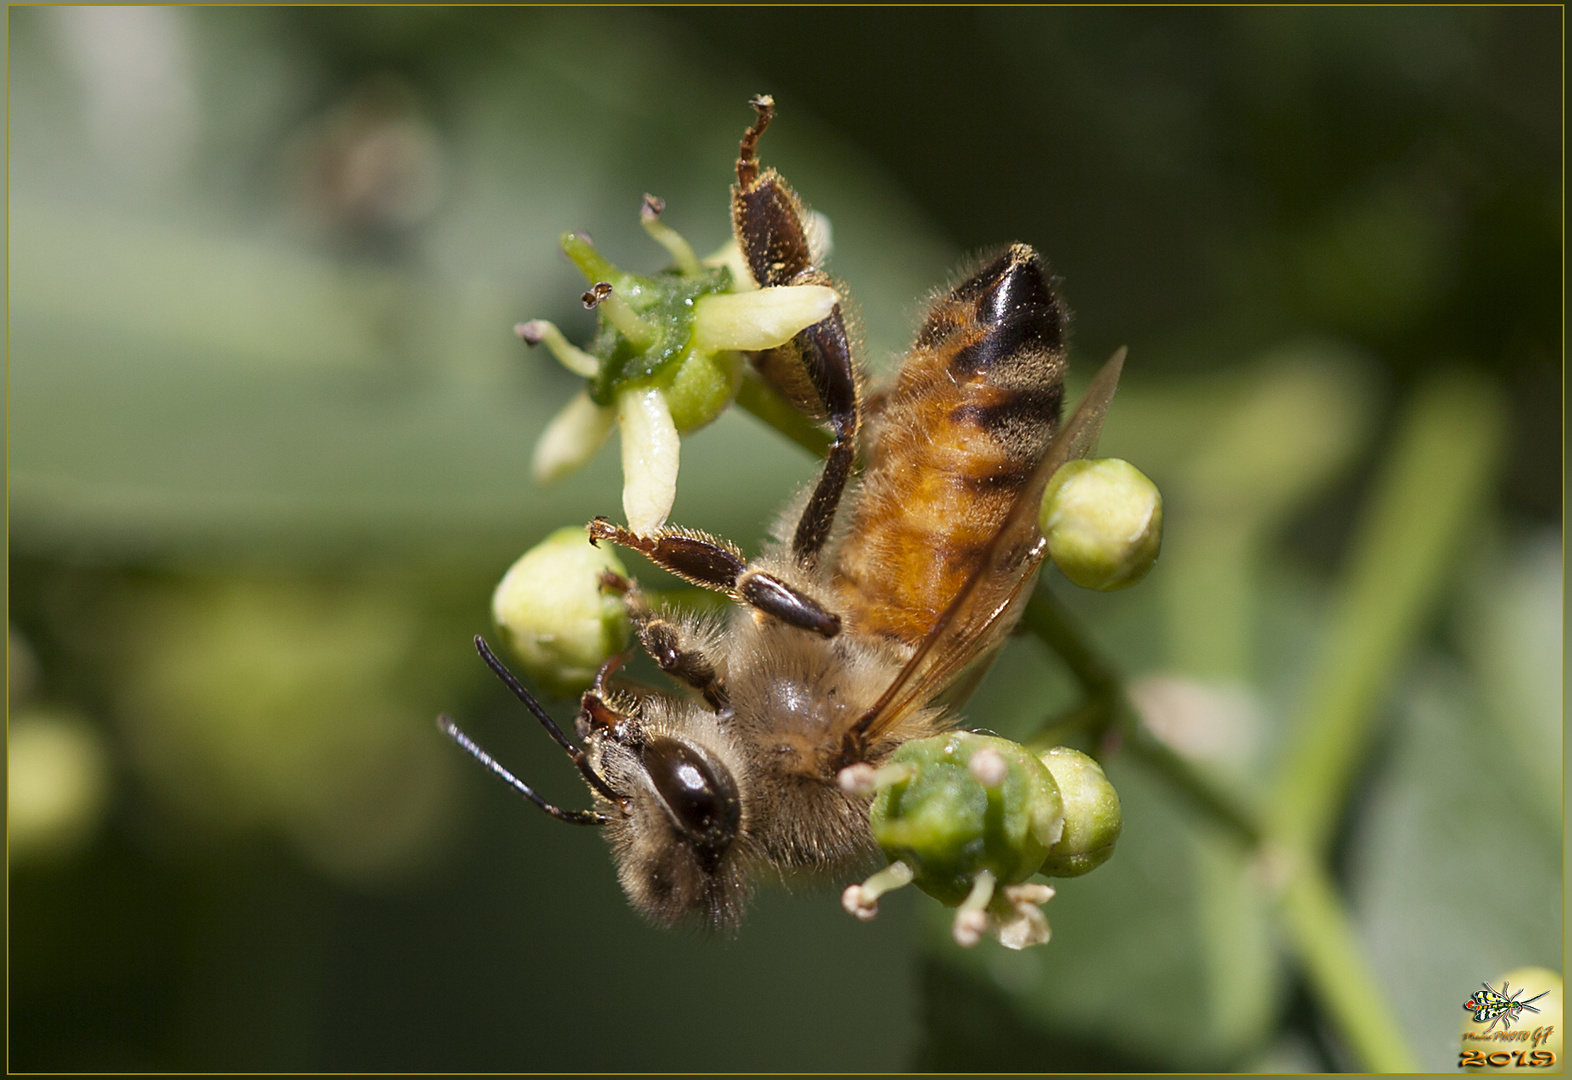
x=715 y=564
x=663 y=640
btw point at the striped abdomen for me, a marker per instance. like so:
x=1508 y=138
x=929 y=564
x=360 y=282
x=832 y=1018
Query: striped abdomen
x=974 y=409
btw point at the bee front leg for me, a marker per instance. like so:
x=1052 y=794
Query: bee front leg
x=814 y=371
x=714 y=564
x=665 y=642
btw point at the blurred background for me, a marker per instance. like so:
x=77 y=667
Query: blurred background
x=268 y=455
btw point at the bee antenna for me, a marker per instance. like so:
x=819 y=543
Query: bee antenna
x=511 y=682
x=572 y=817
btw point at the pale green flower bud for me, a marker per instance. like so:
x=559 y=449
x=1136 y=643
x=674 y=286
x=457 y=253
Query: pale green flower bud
x=965 y=804
x=1507 y=1039
x=57 y=784
x=1104 y=523
x=554 y=615
x=1092 y=820
x=704 y=385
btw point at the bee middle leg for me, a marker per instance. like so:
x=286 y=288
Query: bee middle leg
x=664 y=641
x=714 y=564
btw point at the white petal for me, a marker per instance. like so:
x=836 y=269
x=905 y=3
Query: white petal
x=649 y=458
x=572 y=438
x=821 y=237
x=1022 y=924
x=1026 y=926
x=759 y=320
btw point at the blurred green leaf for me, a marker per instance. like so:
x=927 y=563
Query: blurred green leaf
x=181 y=384
x=1452 y=875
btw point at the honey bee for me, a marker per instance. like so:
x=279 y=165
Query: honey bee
x=844 y=642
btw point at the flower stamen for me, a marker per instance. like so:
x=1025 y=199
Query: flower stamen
x=575 y=359
x=679 y=249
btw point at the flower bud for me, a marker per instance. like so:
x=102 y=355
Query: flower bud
x=554 y=615
x=704 y=384
x=57 y=784
x=1505 y=1039
x=1091 y=814
x=967 y=803
x=1104 y=523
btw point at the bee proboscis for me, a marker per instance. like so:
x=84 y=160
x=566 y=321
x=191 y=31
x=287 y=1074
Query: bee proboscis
x=844 y=641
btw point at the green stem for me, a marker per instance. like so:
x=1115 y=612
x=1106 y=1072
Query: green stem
x=768 y=406
x=1433 y=483
x=1222 y=806
x=1341 y=979
x=1317 y=923
x=1105 y=701
x=1046 y=618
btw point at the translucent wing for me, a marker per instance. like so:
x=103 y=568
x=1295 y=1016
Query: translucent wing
x=984 y=609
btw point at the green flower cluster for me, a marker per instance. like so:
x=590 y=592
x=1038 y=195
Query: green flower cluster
x=969 y=818
x=665 y=359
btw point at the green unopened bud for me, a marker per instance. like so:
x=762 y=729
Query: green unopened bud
x=966 y=804
x=57 y=784
x=554 y=615
x=1104 y=523
x=1091 y=814
x=1513 y=1024
x=704 y=385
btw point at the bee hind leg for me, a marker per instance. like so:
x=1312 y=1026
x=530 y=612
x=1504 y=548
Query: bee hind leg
x=714 y=564
x=814 y=371
x=664 y=641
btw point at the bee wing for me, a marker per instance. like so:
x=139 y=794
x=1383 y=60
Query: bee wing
x=980 y=614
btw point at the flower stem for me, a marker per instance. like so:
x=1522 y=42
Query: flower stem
x=1105 y=702
x=1314 y=916
x=1338 y=973
x=770 y=407
x=1430 y=490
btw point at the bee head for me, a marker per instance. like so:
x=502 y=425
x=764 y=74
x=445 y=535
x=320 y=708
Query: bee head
x=677 y=825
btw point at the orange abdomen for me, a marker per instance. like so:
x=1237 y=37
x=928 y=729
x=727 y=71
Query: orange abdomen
x=974 y=409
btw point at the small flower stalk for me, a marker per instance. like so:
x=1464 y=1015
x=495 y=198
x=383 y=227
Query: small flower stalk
x=1104 y=523
x=665 y=360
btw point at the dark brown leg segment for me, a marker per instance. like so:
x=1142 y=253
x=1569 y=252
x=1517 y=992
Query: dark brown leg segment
x=663 y=641
x=715 y=564
x=814 y=371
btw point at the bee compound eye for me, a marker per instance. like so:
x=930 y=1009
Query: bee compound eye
x=699 y=793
